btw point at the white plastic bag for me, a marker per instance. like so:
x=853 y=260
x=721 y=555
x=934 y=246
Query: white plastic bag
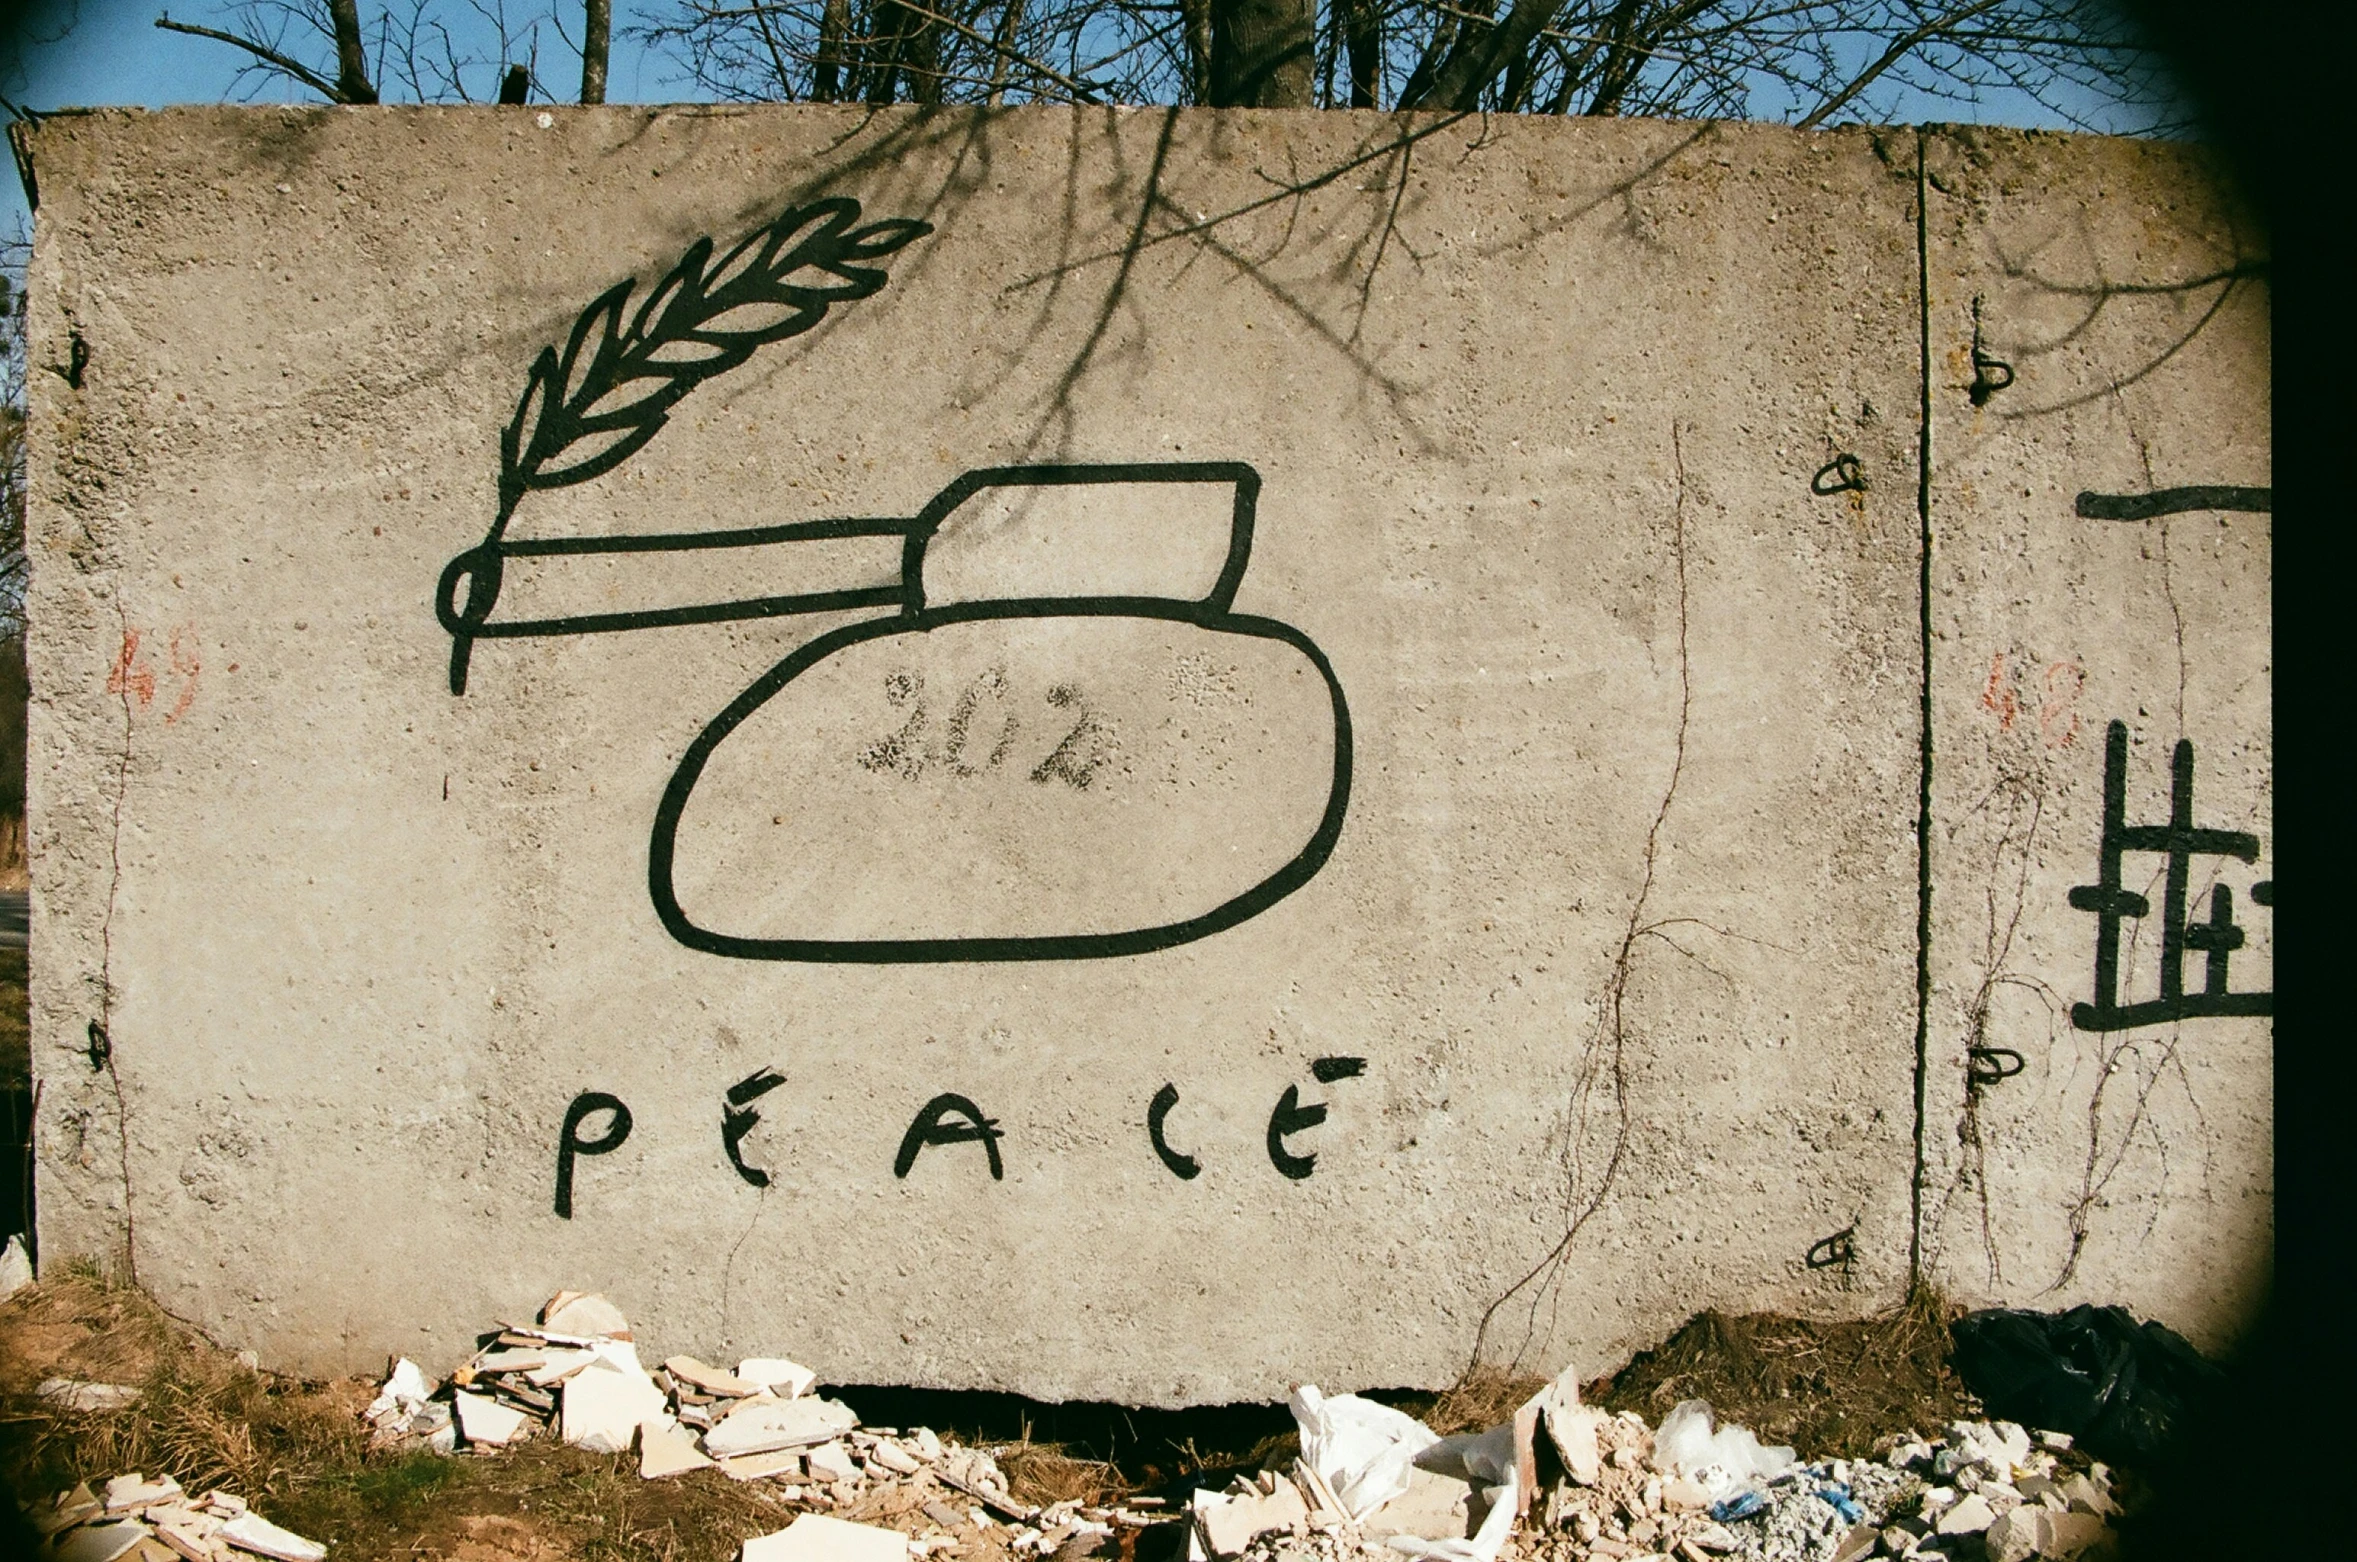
x=1360 y=1449
x=1720 y=1461
x=1489 y=1459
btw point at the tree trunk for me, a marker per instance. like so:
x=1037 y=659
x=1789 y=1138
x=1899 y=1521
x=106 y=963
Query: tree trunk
x=1362 y=43
x=1196 y=15
x=1009 y=20
x=352 y=83
x=834 y=25
x=1263 y=53
x=597 y=21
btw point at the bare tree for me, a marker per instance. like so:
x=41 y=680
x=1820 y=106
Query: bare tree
x=1808 y=62
x=425 y=51
x=597 y=26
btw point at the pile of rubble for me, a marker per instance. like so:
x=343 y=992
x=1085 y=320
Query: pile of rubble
x=1607 y=1487
x=1559 y=1481
x=135 y=1519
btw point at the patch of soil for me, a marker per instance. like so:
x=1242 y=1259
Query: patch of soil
x=1829 y=1390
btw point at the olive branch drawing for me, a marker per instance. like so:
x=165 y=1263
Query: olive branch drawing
x=589 y=407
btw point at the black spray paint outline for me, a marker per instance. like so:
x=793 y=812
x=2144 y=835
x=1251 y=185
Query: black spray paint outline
x=561 y=409
x=674 y=343
x=1211 y=612
x=2093 y=506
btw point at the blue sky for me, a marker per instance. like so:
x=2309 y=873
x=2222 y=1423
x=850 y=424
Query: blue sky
x=84 y=52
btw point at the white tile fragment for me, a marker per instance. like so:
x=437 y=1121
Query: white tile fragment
x=759 y=1425
x=99 y=1542
x=485 y=1420
x=252 y=1532
x=785 y=1379
x=667 y=1448
x=604 y=1402
x=816 y=1538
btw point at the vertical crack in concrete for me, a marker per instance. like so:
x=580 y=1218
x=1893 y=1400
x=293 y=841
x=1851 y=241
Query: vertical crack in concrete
x=1923 y=714
x=104 y=1044
x=1608 y=1056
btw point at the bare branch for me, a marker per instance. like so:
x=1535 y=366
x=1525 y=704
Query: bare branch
x=1902 y=46
x=268 y=56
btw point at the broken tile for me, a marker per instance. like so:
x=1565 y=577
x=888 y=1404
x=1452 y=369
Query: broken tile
x=759 y=1425
x=667 y=1448
x=816 y=1538
x=187 y=1545
x=711 y=1379
x=557 y=1366
x=485 y=1420
x=227 y=1504
x=503 y=1360
x=605 y=1401
x=251 y=1532
x=893 y=1457
x=68 y=1509
x=926 y=1444
x=830 y=1462
x=193 y=1542
x=99 y=1542
x=128 y=1493
x=571 y=1313
x=762 y=1467
x=785 y=1379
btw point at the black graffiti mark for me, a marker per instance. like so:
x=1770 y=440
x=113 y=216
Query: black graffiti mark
x=1843 y=474
x=2172 y=501
x=588 y=408
x=1212 y=612
x=738 y=1117
x=1837 y=1249
x=1990 y=374
x=2179 y=841
x=1291 y=1117
x=1185 y=1167
x=100 y=1047
x=570 y=1143
x=1989 y=1065
x=932 y=1127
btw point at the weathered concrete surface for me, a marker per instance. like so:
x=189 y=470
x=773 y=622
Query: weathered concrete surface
x=2128 y=296
x=1621 y=909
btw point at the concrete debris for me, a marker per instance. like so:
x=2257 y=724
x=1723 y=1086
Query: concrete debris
x=603 y=1403
x=72 y=1394
x=16 y=1267
x=667 y=1448
x=584 y=1317
x=133 y=1517
x=784 y=1379
x=1559 y=1481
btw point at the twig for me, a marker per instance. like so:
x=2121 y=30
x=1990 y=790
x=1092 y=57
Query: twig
x=268 y=56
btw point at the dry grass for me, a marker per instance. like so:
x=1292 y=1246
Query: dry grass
x=1042 y=1473
x=298 y=1450
x=1828 y=1389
